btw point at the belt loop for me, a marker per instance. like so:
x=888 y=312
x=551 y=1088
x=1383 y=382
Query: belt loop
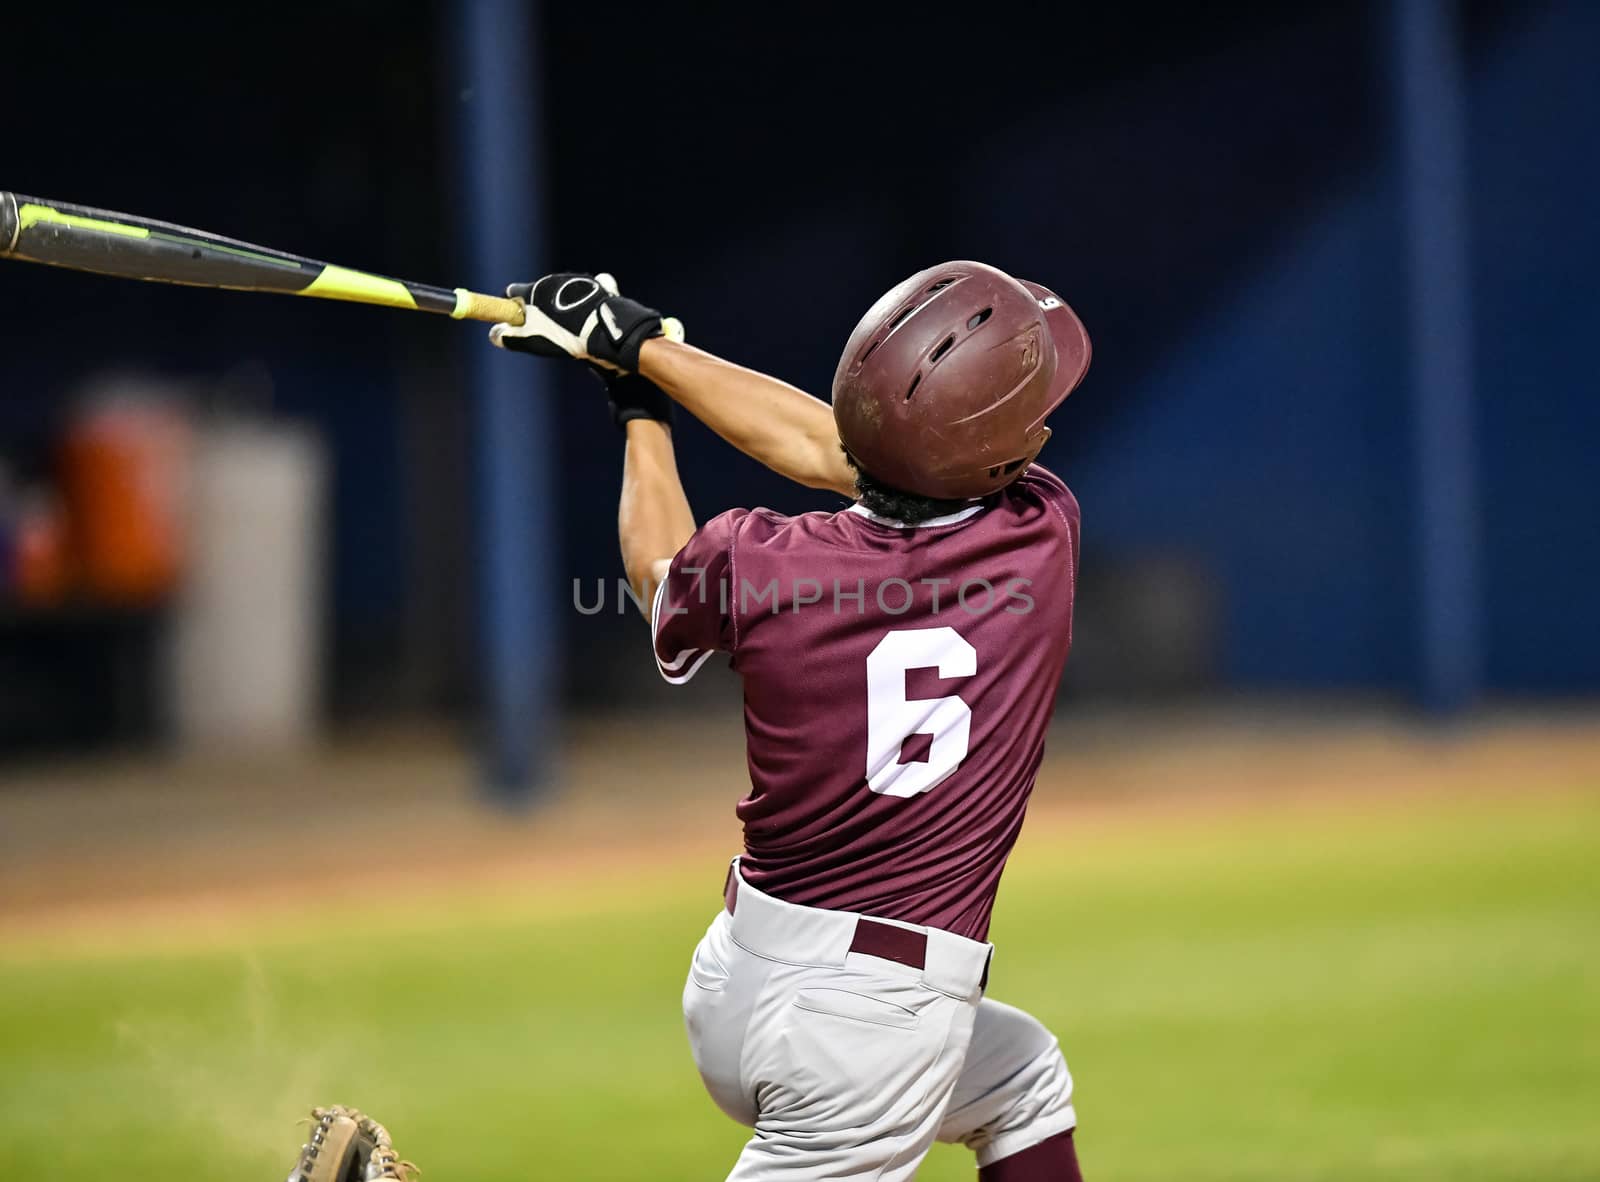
x=956 y=965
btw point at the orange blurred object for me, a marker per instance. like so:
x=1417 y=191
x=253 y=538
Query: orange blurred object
x=42 y=572
x=124 y=470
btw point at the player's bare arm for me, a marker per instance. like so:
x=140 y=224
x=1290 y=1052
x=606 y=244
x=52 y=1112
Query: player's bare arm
x=769 y=420
x=653 y=516
x=583 y=317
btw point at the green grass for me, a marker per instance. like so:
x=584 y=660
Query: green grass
x=1408 y=995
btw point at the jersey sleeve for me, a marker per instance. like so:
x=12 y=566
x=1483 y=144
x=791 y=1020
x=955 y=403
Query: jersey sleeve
x=1053 y=491
x=691 y=616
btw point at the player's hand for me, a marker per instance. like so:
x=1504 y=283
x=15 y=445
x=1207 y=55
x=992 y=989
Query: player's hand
x=633 y=396
x=571 y=314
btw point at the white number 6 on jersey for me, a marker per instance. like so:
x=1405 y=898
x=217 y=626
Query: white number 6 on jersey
x=892 y=719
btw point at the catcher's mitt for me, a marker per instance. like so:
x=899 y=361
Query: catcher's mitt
x=348 y=1146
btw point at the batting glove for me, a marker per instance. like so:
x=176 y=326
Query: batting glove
x=571 y=314
x=632 y=396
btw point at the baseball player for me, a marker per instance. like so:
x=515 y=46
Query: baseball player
x=900 y=661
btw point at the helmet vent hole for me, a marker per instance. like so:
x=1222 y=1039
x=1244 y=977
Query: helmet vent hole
x=901 y=318
x=1012 y=467
x=942 y=284
x=913 y=387
x=871 y=349
x=993 y=472
x=944 y=347
x=978 y=318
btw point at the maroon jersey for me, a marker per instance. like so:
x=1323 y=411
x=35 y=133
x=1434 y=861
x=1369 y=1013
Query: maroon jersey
x=898 y=682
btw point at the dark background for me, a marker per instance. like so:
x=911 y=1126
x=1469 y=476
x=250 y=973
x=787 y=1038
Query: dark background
x=1214 y=189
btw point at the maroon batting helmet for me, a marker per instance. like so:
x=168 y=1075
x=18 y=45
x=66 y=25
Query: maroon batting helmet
x=945 y=384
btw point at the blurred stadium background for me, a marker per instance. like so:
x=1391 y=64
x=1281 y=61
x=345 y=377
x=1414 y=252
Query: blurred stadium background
x=319 y=781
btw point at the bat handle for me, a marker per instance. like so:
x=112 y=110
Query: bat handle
x=473 y=305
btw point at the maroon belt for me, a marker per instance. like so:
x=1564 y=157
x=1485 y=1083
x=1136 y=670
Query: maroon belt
x=883 y=940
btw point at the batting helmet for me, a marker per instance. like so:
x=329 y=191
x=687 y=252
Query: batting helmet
x=945 y=384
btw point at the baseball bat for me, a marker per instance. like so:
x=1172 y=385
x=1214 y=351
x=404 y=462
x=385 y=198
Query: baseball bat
x=103 y=242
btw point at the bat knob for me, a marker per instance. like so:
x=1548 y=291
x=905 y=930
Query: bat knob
x=10 y=223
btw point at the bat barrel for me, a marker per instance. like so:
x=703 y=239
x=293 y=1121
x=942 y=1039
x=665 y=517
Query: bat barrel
x=10 y=223
x=104 y=242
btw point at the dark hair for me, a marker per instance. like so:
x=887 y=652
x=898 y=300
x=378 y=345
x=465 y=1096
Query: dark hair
x=911 y=508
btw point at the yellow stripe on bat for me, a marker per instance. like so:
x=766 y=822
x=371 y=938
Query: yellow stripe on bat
x=32 y=215
x=338 y=283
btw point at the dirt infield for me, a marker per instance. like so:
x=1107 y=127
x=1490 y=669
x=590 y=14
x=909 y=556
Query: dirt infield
x=175 y=846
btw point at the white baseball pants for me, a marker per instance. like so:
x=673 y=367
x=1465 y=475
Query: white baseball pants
x=848 y=1066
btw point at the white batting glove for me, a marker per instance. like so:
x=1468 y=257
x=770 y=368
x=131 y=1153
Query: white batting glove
x=572 y=314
